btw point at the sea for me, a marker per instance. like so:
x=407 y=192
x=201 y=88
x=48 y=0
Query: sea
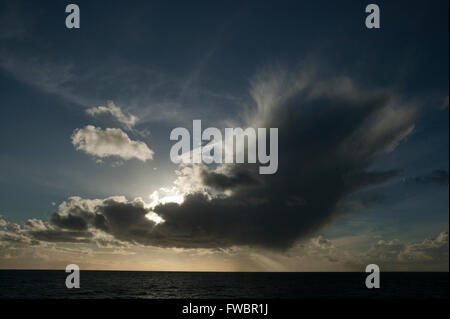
x=50 y=284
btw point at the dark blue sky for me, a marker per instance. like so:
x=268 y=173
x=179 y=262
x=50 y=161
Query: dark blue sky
x=169 y=62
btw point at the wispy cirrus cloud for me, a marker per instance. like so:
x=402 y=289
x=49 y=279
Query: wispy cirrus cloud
x=128 y=120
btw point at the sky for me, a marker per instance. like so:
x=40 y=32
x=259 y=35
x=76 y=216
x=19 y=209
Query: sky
x=363 y=144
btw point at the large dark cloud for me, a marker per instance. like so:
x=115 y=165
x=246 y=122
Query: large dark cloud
x=80 y=221
x=330 y=133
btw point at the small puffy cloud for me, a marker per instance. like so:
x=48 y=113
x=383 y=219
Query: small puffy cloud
x=14 y=235
x=394 y=251
x=35 y=224
x=36 y=230
x=428 y=250
x=127 y=120
x=109 y=142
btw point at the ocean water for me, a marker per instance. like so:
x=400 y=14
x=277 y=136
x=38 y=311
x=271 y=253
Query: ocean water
x=50 y=284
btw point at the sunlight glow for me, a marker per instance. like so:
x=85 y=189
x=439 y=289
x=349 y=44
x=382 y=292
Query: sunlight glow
x=155 y=218
x=173 y=196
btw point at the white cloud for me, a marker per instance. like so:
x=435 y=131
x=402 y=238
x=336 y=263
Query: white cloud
x=320 y=254
x=109 y=142
x=128 y=120
x=428 y=250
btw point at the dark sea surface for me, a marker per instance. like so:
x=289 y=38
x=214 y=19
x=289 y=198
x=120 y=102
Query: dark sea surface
x=31 y=284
